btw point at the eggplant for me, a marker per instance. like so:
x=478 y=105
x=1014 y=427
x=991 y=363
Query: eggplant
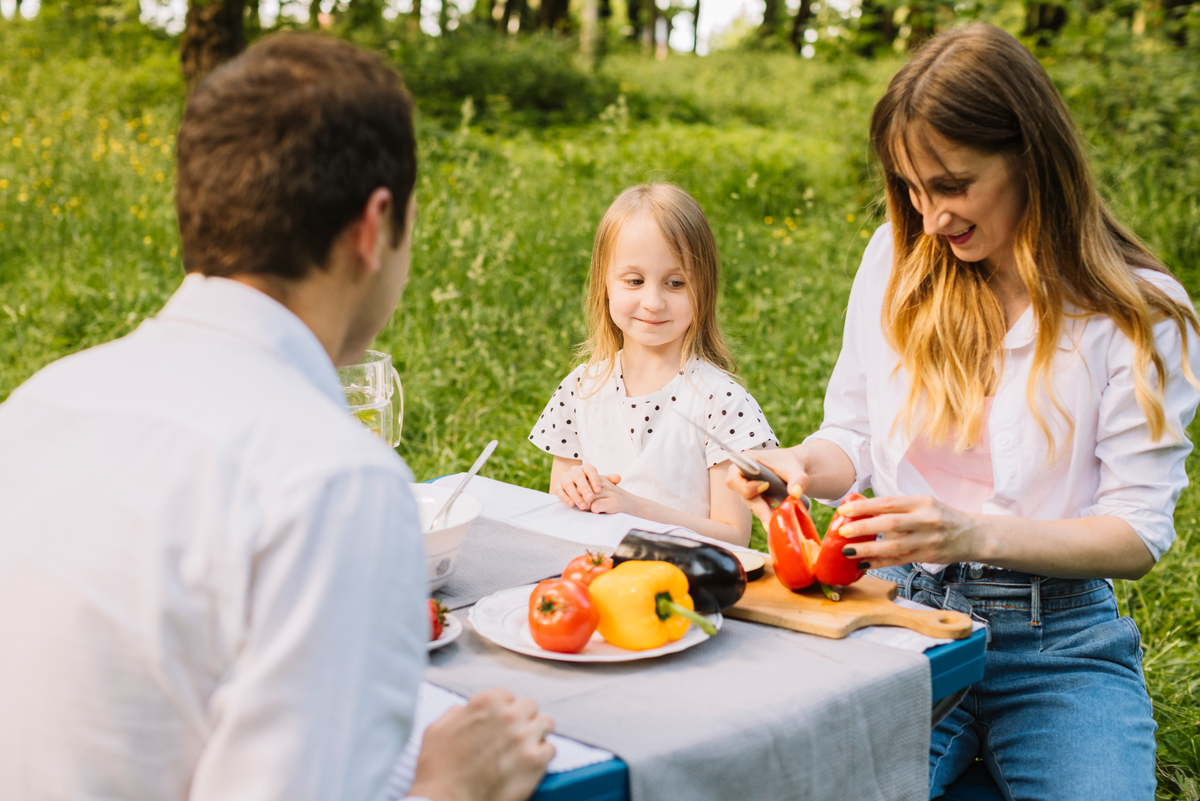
x=716 y=578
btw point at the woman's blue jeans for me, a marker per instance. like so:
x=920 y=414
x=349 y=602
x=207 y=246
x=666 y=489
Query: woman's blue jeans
x=1062 y=711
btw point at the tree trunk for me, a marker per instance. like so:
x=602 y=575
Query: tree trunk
x=650 y=37
x=800 y=24
x=696 y=27
x=603 y=20
x=922 y=25
x=414 y=17
x=635 y=20
x=253 y=20
x=551 y=13
x=213 y=33
x=1043 y=20
x=876 y=28
x=485 y=12
x=770 y=21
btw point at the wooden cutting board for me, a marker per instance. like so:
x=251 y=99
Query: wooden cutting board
x=867 y=602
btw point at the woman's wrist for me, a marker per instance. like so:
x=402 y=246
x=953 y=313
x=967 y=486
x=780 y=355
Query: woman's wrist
x=983 y=544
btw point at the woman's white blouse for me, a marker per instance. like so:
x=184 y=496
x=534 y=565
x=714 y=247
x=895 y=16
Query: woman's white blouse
x=658 y=455
x=1111 y=466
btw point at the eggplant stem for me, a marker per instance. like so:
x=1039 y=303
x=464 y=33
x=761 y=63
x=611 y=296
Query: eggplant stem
x=668 y=607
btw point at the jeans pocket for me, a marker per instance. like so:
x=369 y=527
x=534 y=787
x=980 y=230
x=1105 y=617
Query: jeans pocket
x=1093 y=632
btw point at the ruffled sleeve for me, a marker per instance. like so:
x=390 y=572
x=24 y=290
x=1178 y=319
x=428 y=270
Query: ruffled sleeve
x=557 y=430
x=735 y=417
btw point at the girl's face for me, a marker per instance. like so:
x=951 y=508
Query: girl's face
x=647 y=287
x=973 y=199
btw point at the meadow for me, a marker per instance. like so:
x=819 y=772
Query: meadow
x=510 y=190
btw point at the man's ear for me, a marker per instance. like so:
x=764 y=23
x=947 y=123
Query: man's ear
x=376 y=221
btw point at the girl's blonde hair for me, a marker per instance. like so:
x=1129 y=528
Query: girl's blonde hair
x=685 y=229
x=978 y=86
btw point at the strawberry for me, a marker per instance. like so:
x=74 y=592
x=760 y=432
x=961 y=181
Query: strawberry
x=437 y=618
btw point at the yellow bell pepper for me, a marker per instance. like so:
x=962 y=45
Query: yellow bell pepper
x=643 y=605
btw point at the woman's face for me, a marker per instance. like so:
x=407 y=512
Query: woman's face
x=973 y=199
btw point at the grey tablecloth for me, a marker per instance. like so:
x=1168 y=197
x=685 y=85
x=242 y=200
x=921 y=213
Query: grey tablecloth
x=755 y=713
x=499 y=555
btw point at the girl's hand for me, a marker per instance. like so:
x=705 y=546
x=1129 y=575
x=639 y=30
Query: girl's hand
x=611 y=499
x=788 y=463
x=914 y=528
x=581 y=485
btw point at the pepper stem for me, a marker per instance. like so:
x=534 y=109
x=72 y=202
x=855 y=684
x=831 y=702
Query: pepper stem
x=667 y=607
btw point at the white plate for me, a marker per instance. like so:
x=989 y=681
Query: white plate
x=450 y=633
x=503 y=618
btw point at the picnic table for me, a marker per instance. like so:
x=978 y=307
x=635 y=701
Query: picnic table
x=757 y=712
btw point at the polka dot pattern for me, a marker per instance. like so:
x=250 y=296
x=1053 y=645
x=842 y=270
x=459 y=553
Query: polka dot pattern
x=732 y=413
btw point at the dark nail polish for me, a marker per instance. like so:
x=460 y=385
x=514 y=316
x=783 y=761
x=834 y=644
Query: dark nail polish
x=864 y=565
x=849 y=552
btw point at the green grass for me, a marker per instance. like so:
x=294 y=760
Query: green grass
x=492 y=315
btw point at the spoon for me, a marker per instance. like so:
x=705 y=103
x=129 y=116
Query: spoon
x=445 y=510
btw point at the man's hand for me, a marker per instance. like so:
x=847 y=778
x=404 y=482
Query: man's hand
x=492 y=749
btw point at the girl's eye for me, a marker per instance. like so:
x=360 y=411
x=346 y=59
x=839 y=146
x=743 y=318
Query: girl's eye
x=634 y=281
x=675 y=284
x=951 y=189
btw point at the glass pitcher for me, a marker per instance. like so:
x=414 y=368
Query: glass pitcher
x=374 y=394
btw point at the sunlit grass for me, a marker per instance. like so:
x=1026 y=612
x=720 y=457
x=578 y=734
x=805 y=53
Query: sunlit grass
x=773 y=148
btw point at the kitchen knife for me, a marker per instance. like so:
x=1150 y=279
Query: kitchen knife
x=775 y=493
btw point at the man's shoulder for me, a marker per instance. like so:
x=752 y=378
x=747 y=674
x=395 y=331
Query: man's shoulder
x=240 y=403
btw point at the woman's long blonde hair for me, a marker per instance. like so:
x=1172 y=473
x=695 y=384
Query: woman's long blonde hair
x=978 y=86
x=685 y=229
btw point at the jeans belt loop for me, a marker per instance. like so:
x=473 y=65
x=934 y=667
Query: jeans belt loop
x=908 y=584
x=1035 y=601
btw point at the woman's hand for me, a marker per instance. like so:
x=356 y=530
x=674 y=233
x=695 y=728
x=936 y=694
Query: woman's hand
x=915 y=529
x=790 y=464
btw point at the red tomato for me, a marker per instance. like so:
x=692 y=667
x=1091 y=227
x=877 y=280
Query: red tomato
x=561 y=615
x=585 y=568
x=437 y=618
x=832 y=567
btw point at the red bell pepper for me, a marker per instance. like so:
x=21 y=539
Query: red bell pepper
x=793 y=543
x=831 y=566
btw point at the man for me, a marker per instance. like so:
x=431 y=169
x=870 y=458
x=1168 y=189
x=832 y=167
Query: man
x=212 y=577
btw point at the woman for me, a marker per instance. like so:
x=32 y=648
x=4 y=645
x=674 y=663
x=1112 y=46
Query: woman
x=1015 y=381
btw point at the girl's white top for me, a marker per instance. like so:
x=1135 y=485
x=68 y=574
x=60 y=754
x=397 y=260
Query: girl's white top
x=1110 y=466
x=658 y=455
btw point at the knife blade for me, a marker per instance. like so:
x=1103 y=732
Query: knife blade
x=776 y=491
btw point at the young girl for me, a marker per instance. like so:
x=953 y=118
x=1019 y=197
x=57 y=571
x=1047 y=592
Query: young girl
x=1016 y=377
x=655 y=352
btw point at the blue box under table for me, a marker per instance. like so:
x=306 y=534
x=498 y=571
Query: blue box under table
x=952 y=667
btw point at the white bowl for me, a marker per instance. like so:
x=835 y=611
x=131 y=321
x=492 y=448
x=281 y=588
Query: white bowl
x=444 y=546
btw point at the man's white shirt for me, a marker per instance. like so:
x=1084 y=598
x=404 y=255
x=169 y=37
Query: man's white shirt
x=211 y=576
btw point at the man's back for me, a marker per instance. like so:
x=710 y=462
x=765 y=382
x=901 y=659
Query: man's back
x=208 y=569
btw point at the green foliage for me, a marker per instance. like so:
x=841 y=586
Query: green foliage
x=773 y=147
x=535 y=81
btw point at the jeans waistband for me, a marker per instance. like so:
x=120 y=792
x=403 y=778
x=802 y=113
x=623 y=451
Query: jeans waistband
x=965 y=587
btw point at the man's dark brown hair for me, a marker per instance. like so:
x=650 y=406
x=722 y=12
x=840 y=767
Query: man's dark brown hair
x=280 y=149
